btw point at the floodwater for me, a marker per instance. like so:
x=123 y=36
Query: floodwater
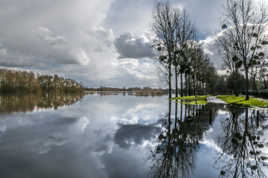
x=122 y=136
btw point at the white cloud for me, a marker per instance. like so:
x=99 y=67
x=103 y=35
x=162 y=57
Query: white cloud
x=213 y=50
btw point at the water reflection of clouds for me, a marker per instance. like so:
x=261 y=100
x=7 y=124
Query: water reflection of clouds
x=82 y=123
x=3 y=129
x=109 y=136
x=136 y=134
x=126 y=163
x=50 y=142
x=141 y=114
x=211 y=144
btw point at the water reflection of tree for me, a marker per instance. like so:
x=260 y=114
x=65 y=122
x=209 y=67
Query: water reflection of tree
x=178 y=143
x=241 y=145
x=25 y=103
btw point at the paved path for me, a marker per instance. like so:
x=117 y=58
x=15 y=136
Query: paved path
x=213 y=99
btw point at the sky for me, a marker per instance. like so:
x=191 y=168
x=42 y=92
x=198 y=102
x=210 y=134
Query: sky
x=97 y=42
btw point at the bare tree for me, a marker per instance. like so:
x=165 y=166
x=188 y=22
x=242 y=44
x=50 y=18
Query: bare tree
x=185 y=33
x=177 y=47
x=231 y=61
x=245 y=33
x=164 y=26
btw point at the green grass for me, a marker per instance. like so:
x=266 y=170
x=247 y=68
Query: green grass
x=241 y=100
x=192 y=100
x=198 y=102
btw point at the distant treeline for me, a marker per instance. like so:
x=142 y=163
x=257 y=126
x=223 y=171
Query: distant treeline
x=12 y=81
x=145 y=91
x=126 y=89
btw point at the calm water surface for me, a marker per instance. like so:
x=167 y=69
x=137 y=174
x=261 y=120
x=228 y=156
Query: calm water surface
x=118 y=136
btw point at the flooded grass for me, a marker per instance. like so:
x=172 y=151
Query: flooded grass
x=241 y=100
x=192 y=100
x=195 y=102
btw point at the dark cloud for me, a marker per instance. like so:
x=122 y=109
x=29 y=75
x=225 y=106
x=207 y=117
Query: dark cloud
x=129 y=46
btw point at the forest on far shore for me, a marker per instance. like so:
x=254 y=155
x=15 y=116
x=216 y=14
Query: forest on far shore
x=22 y=82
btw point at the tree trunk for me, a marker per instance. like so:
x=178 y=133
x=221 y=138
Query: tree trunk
x=247 y=83
x=265 y=83
x=189 y=85
x=176 y=114
x=203 y=88
x=181 y=112
x=169 y=116
x=186 y=84
x=169 y=79
x=236 y=84
x=176 y=81
x=176 y=104
x=246 y=121
x=181 y=85
x=255 y=83
x=196 y=85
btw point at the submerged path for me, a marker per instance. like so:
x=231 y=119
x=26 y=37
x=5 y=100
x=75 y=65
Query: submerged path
x=214 y=99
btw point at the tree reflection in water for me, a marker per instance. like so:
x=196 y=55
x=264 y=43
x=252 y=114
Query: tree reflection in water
x=178 y=142
x=241 y=144
x=27 y=103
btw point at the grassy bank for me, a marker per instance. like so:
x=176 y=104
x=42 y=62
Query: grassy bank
x=241 y=100
x=192 y=100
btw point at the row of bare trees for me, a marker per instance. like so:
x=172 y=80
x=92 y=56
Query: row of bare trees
x=179 y=52
x=241 y=46
x=242 y=41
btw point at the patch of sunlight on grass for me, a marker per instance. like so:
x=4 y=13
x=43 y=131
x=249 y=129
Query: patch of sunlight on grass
x=241 y=100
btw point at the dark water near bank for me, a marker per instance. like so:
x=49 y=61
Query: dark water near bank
x=118 y=136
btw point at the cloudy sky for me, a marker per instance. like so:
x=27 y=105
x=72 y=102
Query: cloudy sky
x=97 y=42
